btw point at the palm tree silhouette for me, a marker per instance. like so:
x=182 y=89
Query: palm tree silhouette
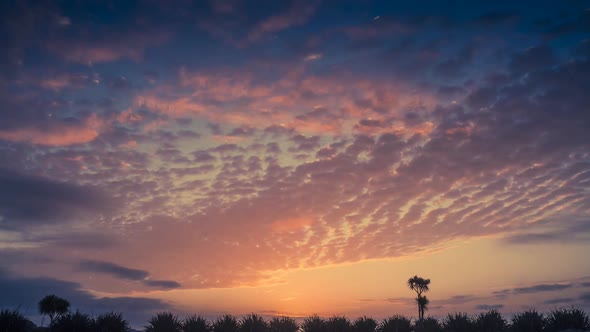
x=420 y=285
x=53 y=306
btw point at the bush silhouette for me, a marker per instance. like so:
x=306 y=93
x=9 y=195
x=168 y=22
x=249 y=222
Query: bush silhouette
x=253 y=323
x=567 y=319
x=490 y=321
x=395 y=323
x=338 y=324
x=458 y=322
x=429 y=324
x=73 y=322
x=283 y=324
x=164 y=322
x=13 y=321
x=528 y=321
x=227 y=323
x=313 y=324
x=195 y=324
x=364 y=324
x=111 y=322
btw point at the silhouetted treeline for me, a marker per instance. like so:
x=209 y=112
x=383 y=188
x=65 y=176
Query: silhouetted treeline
x=491 y=321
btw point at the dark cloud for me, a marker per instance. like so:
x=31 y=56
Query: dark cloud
x=25 y=293
x=541 y=288
x=27 y=200
x=163 y=284
x=113 y=269
x=489 y=307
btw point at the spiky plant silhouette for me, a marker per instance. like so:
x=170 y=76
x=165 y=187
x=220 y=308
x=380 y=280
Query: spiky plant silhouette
x=195 y=323
x=111 y=322
x=283 y=324
x=364 y=324
x=567 y=319
x=226 y=323
x=429 y=324
x=313 y=324
x=528 y=321
x=338 y=324
x=253 y=323
x=419 y=285
x=71 y=322
x=491 y=321
x=13 y=321
x=395 y=323
x=458 y=322
x=164 y=322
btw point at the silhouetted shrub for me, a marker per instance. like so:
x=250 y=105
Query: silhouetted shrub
x=253 y=323
x=227 y=323
x=528 y=321
x=73 y=322
x=338 y=324
x=164 y=322
x=429 y=324
x=490 y=321
x=364 y=324
x=195 y=324
x=395 y=323
x=13 y=321
x=567 y=319
x=283 y=324
x=111 y=322
x=458 y=322
x=53 y=306
x=313 y=324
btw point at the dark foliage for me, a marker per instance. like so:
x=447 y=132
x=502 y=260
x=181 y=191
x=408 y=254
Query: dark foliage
x=253 y=323
x=195 y=324
x=283 y=324
x=567 y=319
x=338 y=324
x=164 y=322
x=227 y=323
x=528 y=321
x=53 y=306
x=73 y=322
x=364 y=324
x=429 y=324
x=458 y=322
x=111 y=322
x=395 y=323
x=313 y=324
x=491 y=321
x=13 y=321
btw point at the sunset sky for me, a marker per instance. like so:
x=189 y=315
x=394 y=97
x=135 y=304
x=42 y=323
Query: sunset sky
x=294 y=157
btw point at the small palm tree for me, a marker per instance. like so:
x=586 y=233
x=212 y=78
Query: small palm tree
x=429 y=324
x=490 y=321
x=419 y=285
x=195 y=324
x=423 y=303
x=567 y=319
x=111 y=322
x=395 y=323
x=458 y=322
x=53 y=307
x=528 y=321
x=227 y=323
x=73 y=322
x=253 y=323
x=364 y=324
x=164 y=322
x=13 y=321
x=338 y=324
x=283 y=324
x=313 y=324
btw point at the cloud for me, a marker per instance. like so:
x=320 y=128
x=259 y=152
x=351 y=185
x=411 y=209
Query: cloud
x=488 y=307
x=125 y=273
x=28 y=200
x=162 y=284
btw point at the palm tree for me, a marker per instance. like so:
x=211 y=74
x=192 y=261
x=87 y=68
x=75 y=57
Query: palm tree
x=195 y=324
x=111 y=322
x=53 y=307
x=253 y=323
x=13 y=321
x=283 y=324
x=364 y=324
x=419 y=285
x=528 y=321
x=164 y=322
x=423 y=303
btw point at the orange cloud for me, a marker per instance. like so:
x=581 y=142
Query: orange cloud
x=57 y=134
x=290 y=224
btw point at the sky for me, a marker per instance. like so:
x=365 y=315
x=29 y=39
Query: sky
x=294 y=157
